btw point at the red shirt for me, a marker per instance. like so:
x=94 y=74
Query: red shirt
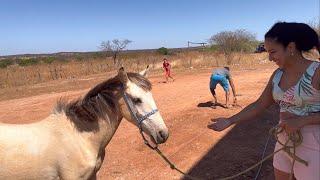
x=166 y=65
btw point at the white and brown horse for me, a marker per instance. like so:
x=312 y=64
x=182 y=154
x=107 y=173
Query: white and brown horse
x=70 y=143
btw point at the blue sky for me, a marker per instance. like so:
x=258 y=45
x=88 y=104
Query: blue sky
x=39 y=26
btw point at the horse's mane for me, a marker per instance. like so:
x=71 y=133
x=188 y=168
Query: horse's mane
x=100 y=100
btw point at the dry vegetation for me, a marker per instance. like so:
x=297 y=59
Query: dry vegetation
x=15 y=75
x=80 y=72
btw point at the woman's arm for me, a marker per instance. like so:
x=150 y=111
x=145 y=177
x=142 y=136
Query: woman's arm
x=312 y=119
x=254 y=109
x=294 y=123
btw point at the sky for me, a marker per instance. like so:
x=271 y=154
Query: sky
x=43 y=26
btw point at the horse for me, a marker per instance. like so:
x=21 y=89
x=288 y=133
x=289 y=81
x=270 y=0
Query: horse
x=70 y=143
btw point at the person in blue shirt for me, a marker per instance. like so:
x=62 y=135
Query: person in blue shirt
x=222 y=76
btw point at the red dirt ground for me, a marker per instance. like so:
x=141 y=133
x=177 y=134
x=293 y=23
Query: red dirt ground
x=191 y=145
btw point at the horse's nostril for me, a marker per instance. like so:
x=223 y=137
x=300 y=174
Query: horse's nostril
x=163 y=134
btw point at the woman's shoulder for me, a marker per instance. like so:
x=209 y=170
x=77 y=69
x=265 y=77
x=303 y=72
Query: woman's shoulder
x=277 y=72
x=316 y=76
x=313 y=67
x=276 y=75
x=316 y=64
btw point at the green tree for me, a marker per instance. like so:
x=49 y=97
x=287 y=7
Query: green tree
x=163 y=51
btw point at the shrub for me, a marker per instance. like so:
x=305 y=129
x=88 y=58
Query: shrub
x=234 y=41
x=79 y=57
x=48 y=60
x=213 y=47
x=27 y=62
x=98 y=55
x=163 y=51
x=5 y=63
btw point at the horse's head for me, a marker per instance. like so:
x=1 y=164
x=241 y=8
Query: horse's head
x=139 y=107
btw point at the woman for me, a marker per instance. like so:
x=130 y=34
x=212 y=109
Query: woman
x=295 y=86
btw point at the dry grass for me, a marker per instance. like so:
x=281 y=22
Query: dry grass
x=17 y=81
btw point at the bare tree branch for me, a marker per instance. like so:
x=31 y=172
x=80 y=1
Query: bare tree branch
x=115 y=47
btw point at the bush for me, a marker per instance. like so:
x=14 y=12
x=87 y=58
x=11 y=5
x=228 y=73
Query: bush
x=213 y=47
x=163 y=51
x=48 y=60
x=234 y=41
x=98 y=55
x=79 y=57
x=62 y=59
x=5 y=63
x=27 y=62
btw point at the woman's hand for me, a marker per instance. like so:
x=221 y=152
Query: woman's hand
x=291 y=125
x=290 y=122
x=219 y=124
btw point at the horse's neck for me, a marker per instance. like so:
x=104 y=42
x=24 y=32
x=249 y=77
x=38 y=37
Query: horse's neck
x=110 y=129
x=100 y=137
x=94 y=135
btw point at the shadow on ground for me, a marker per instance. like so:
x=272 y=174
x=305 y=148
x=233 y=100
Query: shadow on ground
x=247 y=141
x=210 y=104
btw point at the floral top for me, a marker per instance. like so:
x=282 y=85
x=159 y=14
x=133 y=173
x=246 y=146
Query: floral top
x=301 y=99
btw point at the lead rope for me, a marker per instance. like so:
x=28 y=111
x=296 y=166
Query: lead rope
x=296 y=139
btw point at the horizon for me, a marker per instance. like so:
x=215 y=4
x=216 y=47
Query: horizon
x=125 y=50
x=37 y=27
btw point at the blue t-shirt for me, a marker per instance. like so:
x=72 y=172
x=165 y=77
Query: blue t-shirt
x=223 y=72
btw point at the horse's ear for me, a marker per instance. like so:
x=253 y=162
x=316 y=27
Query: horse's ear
x=144 y=72
x=123 y=76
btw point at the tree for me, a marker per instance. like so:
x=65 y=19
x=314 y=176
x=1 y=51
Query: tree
x=163 y=51
x=115 y=47
x=233 y=41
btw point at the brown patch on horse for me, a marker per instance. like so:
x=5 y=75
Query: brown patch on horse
x=100 y=101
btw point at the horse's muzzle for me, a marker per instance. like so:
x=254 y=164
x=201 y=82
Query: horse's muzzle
x=162 y=136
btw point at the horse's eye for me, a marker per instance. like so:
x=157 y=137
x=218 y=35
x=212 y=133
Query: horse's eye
x=136 y=100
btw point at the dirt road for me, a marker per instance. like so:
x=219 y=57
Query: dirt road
x=191 y=145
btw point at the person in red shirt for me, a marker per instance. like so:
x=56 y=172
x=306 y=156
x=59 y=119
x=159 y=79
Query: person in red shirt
x=167 y=68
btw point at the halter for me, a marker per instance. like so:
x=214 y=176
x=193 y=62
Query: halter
x=137 y=116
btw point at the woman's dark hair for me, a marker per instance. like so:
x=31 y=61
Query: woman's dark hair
x=227 y=67
x=301 y=34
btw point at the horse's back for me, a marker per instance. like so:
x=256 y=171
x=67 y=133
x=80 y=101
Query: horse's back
x=49 y=149
x=24 y=151
x=23 y=134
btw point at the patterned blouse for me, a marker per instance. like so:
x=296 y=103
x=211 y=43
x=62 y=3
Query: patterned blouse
x=302 y=98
